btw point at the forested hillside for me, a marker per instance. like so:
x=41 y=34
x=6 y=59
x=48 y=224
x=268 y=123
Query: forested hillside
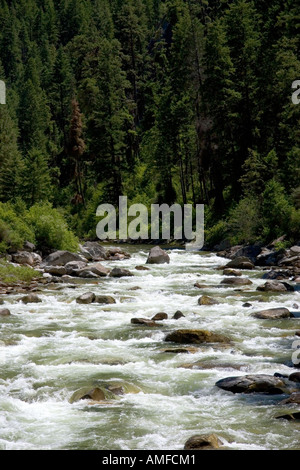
x=185 y=101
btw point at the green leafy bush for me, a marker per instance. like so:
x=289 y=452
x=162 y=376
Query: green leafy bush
x=50 y=228
x=13 y=228
x=11 y=274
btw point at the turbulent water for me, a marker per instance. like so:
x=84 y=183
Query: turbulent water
x=50 y=350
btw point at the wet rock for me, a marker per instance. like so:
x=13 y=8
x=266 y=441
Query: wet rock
x=199 y=285
x=290 y=417
x=206 y=300
x=56 y=270
x=297 y=333
x=295 y=377
x=160 y=316
x=4 y=312
x=251 y=252
x=236 y=281
x=23 y=257
x=120 y=272
x=195 y=337
x=273 y=314
x=31 y=299
x=269 y=257
x=144 y=322
x=180 y=350
x=94 y=251
x=293 y=399
x=178 y=315
x=94 y=394
x=99 y=269
x=115 y=253
x=272 y=286
x=104 y=299
x=87 y=298
x=277 y=275
x=203 y=442
x=240 y=262
x=87 y=274
x=158 y=256
x=61 y=258
x=260 y=383
x=142 y=268
x=247 y=305
x=74 y=267
x=232 y=272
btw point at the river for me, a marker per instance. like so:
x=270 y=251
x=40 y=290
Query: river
x=50 y=350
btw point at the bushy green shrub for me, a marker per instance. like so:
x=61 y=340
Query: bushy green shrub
x=245 y=222
x=276 y=210
x=11 y=274
x=13 y=228
x=50 y=228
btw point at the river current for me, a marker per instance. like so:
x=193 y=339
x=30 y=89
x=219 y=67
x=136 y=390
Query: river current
x=50 y=350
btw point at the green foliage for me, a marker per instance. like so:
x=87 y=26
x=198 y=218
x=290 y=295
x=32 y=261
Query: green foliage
x=50 y=228
x=245 y=222
x=13 y=274
x=13 y=229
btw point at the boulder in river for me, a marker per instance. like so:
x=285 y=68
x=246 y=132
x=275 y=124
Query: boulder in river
x=236 y=281
x=160 y=316
x=273 y=314
x=232 y=272
x=206 y=300
x=178 y=315
x=293 y=399
x=144 y=322
x=277 y=274
x=74 y=267
x=87 y=298
x=272 y=286
x=93 y=251
x=158 y=256
x=88 y=274
x=104 y=299
x=4 y=312
x=60 y=258
x=290 y=416
x=97 y=268
x=120 y=272
x=56 y=270
x=195 y=337
x=31 y=299
x=142 y=268
x=260 y=383
x=240 y=262
x=203 y=442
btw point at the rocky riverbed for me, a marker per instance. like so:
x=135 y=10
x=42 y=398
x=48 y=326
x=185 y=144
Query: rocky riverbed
x=131 y=348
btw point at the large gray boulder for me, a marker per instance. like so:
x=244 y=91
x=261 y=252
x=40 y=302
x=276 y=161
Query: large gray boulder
x=261 y=383
x=158 y=256
x=272 y=286
x=273 y=314
x=93 y=251
x=61 y=258
x=240 y=262
x=120 y=272
x=86 y=298
x=23 y=257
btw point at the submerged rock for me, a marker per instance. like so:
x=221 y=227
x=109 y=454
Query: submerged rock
x=31 y=299
x=290 y=417
x=104 y=299
x=236 y=281
x=142 y=268
x=158 y=256
x=232 y=272
x=195 y=337
x=203 y=442
x=4 y=312
x=273 y=314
